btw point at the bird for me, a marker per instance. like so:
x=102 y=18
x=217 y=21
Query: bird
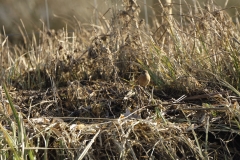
x=144 y=78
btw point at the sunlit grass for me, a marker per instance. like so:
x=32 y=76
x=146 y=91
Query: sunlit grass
x=197 y=55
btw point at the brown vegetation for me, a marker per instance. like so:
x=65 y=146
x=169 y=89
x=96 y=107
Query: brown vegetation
x=73 y=95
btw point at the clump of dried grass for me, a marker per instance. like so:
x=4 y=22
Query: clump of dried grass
x=86 y=74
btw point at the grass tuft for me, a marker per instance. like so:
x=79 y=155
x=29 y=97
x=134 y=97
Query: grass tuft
x=73 y=94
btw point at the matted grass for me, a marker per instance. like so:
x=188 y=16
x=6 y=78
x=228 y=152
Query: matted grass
x=73 y=95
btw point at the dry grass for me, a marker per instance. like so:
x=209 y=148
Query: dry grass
x=72 y=95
